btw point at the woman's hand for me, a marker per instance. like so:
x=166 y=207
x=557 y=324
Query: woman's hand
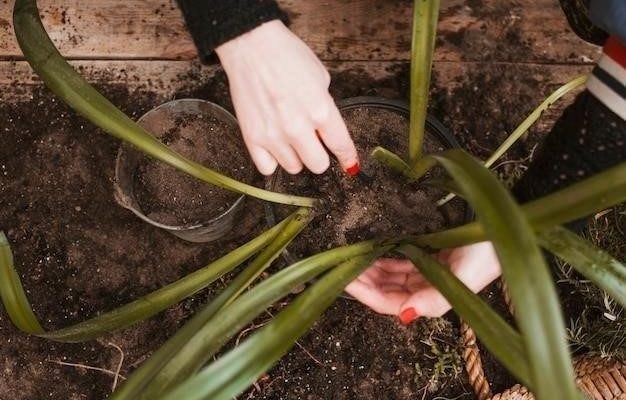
x=280 y=93
x=395 y=287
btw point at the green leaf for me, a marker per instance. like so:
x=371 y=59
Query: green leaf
x=495 y=333
x=595 y=264
x=66 y=83
x=12 y=292
x=527 y=123
x=241 y=367
x=534 y=116
x=527 y=275
x=137 y=382
x=22 y=316
x=223 y=326
x=579 y=200
x=392 y=161
x=425 y=16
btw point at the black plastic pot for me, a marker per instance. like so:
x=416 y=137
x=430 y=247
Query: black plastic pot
x=433 y=126
x=402 y=107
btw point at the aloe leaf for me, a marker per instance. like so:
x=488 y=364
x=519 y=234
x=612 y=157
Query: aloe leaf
x=425 y=16
x=217 y=331
x=527 y=123
x=392 y=161
x=239 y=368
x=527 y=275
x=74 y=90
x=534 y=116
x=593 y=263
x=136 y=384
x=596 y=193
x=495 y=333
x=21 y=314
x=12 y=293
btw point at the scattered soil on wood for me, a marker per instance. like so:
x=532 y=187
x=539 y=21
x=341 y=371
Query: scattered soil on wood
x=170 y=197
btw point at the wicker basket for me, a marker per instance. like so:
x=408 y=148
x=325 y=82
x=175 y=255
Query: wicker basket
x=599 y=378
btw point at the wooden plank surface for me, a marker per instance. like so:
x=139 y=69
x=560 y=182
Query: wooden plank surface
x=479 y=101
x=489 y=30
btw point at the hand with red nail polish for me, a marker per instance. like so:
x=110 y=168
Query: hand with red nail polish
x=395 y=287
x=280 y=92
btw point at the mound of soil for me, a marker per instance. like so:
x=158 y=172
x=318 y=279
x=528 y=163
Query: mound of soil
x=173 y=198
x=383 y=204
x=79 y=253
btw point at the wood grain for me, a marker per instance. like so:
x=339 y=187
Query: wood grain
x=494 y=88
x=491 y=30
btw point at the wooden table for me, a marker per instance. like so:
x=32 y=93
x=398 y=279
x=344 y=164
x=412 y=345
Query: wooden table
x=148 y=37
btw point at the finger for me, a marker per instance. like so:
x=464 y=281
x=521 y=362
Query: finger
x=300 y=131
x=389 y=288
x=376 y=276
x=426 y=302
x=382 y=303
x=415 y=282
x=286 y=157
x=264 y=161
x=381 y=278
x=476 y=265
x=253 y=124
x=334 y=133
x=312 y=153
x=395 y=265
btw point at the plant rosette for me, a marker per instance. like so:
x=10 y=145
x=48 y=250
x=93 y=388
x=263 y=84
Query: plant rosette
x=379 y=204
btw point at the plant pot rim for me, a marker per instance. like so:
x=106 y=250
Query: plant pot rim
x=433 y=125
x=203 y=232
x=401 y=106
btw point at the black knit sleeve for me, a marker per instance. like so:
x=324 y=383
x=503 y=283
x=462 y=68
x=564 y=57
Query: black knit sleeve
x=588 y=138
x=213 y=22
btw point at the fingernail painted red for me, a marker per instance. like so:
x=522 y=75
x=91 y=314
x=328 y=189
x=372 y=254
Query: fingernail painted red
x=407 y=316
x=354 y=170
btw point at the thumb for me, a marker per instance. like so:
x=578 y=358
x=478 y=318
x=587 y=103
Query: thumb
x=426 y=302
x=334 y=134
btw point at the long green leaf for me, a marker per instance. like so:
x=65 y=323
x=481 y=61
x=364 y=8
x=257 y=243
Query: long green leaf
x=593 y=263
x=238 y=369
x=392 y=161
x=579 y=200
x=495 y=333
x=527 y=123
x=74 y=90
x=425 y=16
x=12 y=293
x=527 y=275
x=135 y=386
x=534 y=116
x=217 y=331
x=22 y=316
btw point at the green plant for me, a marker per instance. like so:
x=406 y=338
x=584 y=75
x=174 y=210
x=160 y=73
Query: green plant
x=536 y=352
x=598 y=324
x=447 y=363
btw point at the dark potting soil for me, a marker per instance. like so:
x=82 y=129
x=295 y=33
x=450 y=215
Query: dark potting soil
x=173 y=198
x=79 y=253
x=382 y=205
